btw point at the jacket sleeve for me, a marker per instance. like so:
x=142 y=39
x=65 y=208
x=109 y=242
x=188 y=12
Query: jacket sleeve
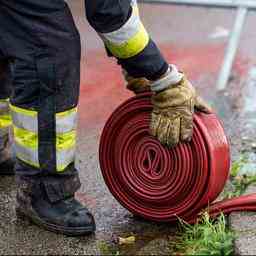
x=118 y=24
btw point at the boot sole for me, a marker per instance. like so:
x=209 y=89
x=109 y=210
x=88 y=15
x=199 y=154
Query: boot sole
x=57 y=229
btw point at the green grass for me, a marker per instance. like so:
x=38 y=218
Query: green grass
x=208 y=237
x=212 y=237
x=107 y=249
x=238 y=183
x=237 y=165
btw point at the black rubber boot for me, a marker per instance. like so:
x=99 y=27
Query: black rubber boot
x=50 y=203
x=7 y=167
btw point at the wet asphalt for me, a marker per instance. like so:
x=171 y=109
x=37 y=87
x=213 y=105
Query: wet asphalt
x=195 y=35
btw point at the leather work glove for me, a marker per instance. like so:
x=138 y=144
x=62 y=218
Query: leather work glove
x=136 y=85
x=174 y=103
x=173 y=109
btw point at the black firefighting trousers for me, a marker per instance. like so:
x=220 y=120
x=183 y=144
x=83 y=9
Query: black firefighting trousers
x=40 y=57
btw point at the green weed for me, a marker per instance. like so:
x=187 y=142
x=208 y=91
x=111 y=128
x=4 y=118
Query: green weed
x=238 y=183
x=208 y=237
x=107 y=249
x=237 y=165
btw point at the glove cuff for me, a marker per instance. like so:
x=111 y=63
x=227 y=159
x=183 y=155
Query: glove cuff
x=172 y=77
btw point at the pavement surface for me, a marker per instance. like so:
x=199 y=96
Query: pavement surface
x=244 y=224
x=193 y=38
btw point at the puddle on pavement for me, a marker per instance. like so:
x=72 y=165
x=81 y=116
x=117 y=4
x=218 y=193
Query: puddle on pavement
x=150 y=244
x=155 y=243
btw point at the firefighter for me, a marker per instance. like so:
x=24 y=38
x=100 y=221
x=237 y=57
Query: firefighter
x=40 y=71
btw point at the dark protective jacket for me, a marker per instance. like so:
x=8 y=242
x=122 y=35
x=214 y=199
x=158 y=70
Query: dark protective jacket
x=117 y=22
x=119 y=25
x=40 y=52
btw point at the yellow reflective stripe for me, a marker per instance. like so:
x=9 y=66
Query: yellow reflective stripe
x=61 y=168
x=64 y=158
x=30 y=157
x=124 y=33
x=33 y=161
x=132 y=47
x=25 y=119
x=29 y=139
x=34 y=113
x=25 y=138
x=66 y=113
x=130 y=39
x=5 y=121
x=23 y=111
x=27 y=155
x=65 y=141
x=33 y=164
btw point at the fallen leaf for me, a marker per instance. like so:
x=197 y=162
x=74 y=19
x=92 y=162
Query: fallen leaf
x=127 y=240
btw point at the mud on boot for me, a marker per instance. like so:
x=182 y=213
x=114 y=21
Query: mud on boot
x=49 y=202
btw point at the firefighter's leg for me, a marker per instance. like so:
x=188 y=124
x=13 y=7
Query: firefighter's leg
x=6 y=159
x=45 y=50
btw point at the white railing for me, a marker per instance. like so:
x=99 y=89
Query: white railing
x=242 y=9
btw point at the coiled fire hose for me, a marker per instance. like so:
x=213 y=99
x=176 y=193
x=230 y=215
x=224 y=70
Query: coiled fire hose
x=160 y=184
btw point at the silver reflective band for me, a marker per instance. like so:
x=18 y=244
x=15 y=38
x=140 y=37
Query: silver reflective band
x=65 y=123
x=127 y=31
x=171 y=78
x=65 y=157
x=25 y=122
x=30 y=156
x=26 y=154
x=26 y=136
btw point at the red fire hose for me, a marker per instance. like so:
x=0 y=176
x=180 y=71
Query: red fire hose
x=159 y=183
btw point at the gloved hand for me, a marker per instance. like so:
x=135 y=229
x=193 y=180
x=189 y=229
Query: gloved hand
x=136 y=85
x=173 y=109
x=174 y=103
